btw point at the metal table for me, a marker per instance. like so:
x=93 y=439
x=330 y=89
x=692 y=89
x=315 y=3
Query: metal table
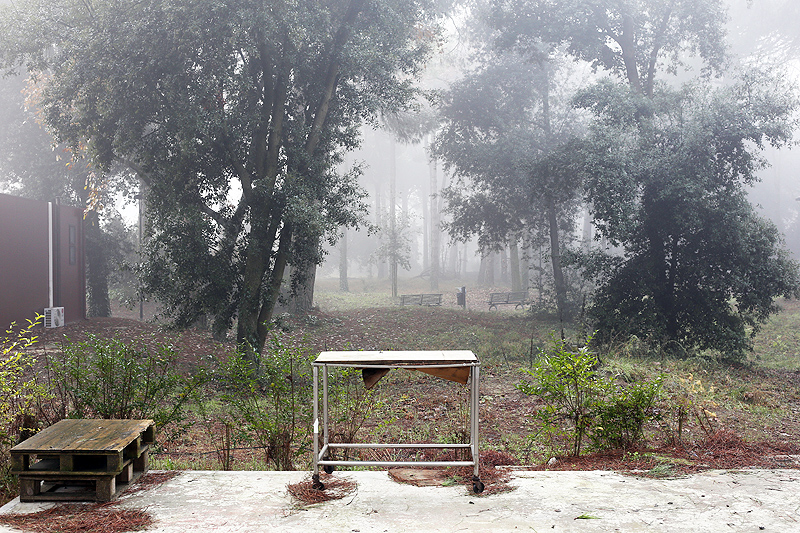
x=460 y=366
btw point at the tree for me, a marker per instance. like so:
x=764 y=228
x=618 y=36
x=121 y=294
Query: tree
x=502 y=136
x=205 y=99
x=636 y=40
x=699 y=267
x=666 y=170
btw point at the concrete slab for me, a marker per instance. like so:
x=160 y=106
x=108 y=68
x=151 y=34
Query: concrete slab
x=735 y=501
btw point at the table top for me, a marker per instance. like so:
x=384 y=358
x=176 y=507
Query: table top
x=84 y=436
x=399 y=358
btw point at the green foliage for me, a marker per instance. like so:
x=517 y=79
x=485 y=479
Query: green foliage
x=700 y=269
x=20 y=393
x=503 y=135
x=567 y=381
x=634 y=40
x=248 y=99
x=622 y=416
x=269 y=398
x=110 y=378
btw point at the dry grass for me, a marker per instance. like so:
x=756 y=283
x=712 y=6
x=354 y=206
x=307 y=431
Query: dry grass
x=75 y=518
x=336 y=488
x=105 y=517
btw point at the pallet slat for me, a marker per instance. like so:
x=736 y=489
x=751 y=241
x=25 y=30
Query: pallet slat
x=75 y=454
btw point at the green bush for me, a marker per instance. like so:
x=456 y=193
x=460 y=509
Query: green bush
x=20 y=393
x=109 y=378
x=622 y=416
x=567 y=380
x=270 y=398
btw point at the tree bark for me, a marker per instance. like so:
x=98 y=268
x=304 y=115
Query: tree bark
x=98 y=302
x=555 y=256
x=513 y=265
x=302 y=300
x=436 y=231
x=395 y=241
x=378 y=221
x=343 y=284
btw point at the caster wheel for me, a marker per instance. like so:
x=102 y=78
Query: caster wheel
x=316 y=484
x=329 y=469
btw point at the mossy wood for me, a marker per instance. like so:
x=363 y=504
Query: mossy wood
x=82 y=459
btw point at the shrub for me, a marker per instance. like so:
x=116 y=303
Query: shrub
x=269 y=398
x=109 y=378
x=622 y=416
x=567 y=381
x=19 y=393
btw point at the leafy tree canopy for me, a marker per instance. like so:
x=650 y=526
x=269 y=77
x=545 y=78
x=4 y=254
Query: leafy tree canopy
x=233 y=113
x=500 y=138
x=699 y=267
x=636 y=39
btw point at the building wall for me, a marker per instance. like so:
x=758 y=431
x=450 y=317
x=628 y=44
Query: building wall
x=26 y=281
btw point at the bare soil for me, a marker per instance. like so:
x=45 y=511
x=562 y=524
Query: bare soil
x=761 y=428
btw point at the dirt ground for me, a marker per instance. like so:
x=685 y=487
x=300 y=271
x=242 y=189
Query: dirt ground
x=754 y=437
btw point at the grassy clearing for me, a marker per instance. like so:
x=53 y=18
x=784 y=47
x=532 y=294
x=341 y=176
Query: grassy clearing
x=777 y=345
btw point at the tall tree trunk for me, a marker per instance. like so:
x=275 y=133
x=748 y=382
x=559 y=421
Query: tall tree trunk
x=98 y=302
x=302 y=301
x=491 y=260
x=452 y=260
x=552 y=215
x=436 y=231
x=555 y=256
x=464 y=261
x=503 y=266
x=343 y=284
x=513 y=265
x=526 y=263
x=394 y=248
x=378 y=222
x=426 y=222
x=482 y=268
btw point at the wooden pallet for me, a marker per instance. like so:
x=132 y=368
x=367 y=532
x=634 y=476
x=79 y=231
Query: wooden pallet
x=82 y=459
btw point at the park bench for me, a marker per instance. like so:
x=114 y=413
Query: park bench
x=516 y=298
x=82 y=459
x=420 y=299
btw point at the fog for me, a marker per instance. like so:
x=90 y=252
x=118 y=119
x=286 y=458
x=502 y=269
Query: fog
x=404 y=183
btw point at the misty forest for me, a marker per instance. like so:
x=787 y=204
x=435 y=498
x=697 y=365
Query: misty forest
x=264 y=180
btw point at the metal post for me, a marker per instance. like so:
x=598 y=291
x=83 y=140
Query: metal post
x=474 y=415
x=315 y=375
x=325 y=405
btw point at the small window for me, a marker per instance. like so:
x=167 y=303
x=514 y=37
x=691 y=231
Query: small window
x=73 y=245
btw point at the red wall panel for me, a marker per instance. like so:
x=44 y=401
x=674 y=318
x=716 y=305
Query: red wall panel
x=25 y=256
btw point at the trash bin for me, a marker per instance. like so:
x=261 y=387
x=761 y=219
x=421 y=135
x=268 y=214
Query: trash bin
x=461 y=297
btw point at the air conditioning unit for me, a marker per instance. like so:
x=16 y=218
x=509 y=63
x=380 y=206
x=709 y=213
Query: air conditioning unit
x=53 y=317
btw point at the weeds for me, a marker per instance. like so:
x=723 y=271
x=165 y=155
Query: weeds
x=566 y=378
x=108 y=378
x=19 y=394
